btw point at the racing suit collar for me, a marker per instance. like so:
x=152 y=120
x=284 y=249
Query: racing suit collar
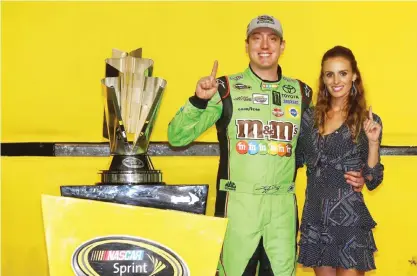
x=279 y=71
x=265 y=84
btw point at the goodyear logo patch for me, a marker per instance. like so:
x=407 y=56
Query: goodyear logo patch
x=126 y=256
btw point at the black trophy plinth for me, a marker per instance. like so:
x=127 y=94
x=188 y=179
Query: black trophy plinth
x=132 y=180
x=186 y=198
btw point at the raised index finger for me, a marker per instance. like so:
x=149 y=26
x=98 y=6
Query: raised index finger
x=214 y=70
x=370 y=114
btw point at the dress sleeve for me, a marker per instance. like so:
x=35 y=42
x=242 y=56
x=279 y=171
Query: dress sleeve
x=300 y=149
x=373 y=176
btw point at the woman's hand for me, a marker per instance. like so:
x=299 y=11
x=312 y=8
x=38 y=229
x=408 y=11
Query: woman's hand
x=372 y=128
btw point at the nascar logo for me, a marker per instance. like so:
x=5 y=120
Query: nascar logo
x=117 y=255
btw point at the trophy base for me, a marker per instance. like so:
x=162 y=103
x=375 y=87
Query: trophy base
x=131 y=169
x=131 y=177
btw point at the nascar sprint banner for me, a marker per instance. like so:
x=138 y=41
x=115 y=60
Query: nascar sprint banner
x=122 y=255
x=85 y=237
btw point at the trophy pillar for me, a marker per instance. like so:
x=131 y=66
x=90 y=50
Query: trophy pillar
x=131 y=100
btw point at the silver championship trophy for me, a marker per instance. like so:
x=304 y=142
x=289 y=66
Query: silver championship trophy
x=131 y=102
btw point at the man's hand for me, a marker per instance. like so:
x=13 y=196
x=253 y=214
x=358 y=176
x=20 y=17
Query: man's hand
x=355 y=179
x=207 y=86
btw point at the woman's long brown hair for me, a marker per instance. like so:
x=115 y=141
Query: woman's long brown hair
x=355 y=108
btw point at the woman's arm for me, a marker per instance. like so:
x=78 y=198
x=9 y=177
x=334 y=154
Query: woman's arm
x=369 y=146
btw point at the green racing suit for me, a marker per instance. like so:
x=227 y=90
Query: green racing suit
x=257 y=125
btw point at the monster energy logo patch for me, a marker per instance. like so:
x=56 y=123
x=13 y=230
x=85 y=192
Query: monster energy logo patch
x=276 y=98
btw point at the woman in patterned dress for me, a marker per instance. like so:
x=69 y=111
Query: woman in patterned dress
x=338 y=135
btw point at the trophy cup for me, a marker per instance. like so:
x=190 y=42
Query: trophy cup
x=131 y=101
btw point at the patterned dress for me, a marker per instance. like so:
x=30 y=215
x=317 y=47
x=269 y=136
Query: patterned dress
x=336 y=226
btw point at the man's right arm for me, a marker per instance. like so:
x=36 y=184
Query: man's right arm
x=199 y=113
x=195 y=117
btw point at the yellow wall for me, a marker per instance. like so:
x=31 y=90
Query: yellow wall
x=53 y=56
x=53 y=60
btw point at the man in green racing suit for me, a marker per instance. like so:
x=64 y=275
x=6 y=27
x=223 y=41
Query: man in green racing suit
x=257 y=115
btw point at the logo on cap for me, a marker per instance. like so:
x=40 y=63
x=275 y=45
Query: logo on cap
x=264 y=21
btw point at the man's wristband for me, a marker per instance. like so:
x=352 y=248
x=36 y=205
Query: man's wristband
x=198 y=102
